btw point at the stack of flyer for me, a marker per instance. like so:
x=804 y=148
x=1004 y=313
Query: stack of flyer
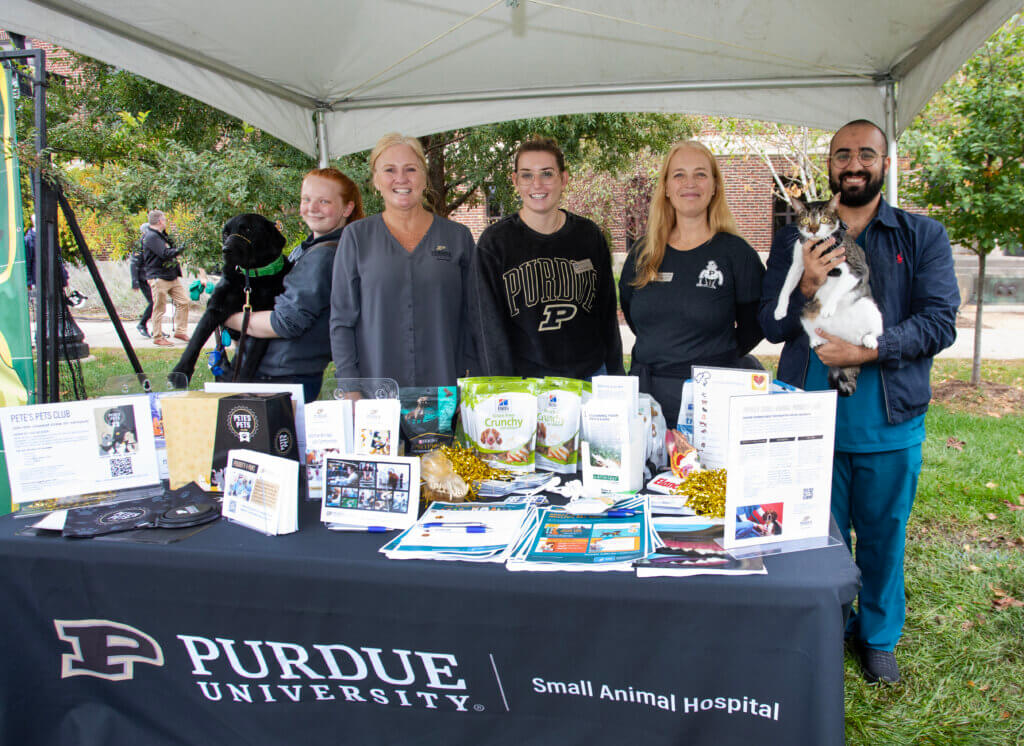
x=692 y=546
x=472 y=532
x=529 y=482
x=558 y=540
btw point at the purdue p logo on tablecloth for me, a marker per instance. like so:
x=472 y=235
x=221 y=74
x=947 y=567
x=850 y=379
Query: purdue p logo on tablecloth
x=105 y=649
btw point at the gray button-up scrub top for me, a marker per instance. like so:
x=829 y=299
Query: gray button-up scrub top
x=400 y=314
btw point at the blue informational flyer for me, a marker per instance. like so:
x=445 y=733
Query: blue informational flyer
x=561 y=540
x=594 y=539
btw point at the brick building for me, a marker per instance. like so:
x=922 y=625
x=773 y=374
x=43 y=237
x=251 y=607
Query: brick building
x=749 y=187
x=58 y=61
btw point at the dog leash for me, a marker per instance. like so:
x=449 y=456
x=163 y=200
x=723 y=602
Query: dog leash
x=270 y=269
x=246 y=313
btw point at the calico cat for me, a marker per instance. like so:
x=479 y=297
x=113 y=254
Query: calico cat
x=843 y=306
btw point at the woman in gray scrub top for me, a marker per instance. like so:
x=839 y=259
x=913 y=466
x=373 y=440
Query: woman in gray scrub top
x=398 y=299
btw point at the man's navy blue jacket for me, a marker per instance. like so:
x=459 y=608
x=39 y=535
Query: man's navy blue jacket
x=914 y=284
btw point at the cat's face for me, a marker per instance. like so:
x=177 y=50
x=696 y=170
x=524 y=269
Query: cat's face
x=817 y=221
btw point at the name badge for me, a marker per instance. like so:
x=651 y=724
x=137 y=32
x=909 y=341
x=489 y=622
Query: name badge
x=664 y=277
x=442 y=252
x=582 y=266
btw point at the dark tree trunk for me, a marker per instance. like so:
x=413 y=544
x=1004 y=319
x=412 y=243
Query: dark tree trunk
x=433 y=145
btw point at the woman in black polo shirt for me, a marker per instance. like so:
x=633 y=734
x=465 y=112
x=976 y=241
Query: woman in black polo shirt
x=690 y=288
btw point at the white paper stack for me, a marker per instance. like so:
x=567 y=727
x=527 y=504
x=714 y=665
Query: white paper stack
x=471 y=532
x=527 y=482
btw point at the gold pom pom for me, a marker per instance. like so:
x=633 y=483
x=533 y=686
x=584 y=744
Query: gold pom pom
x=705 y=491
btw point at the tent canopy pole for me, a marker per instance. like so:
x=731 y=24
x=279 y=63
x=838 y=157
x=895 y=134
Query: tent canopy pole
x=892 y=175
x=323 y=153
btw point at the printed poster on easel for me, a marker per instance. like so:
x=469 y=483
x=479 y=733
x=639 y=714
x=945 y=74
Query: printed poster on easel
x=779 y=469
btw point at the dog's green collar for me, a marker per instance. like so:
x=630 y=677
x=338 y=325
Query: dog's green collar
x=271 y=269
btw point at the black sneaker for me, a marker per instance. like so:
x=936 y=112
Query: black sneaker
x=877 y=665
x=144 y=331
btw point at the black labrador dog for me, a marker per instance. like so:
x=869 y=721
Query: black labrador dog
x=251 y=245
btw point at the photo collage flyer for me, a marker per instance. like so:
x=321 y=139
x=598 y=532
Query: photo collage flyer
x=370 y=490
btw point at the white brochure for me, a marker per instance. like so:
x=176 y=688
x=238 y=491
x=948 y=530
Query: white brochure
x=328 y=433
x=376 y=427
x=612 y=446
x=779 y=467
x=712 y=390
x=79 y=447
x=261 y=492
x=625 y=388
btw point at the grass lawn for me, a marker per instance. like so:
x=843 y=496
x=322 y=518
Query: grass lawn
x=962 y=654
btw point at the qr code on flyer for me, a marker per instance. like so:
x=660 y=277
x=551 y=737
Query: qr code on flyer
x=121 y=467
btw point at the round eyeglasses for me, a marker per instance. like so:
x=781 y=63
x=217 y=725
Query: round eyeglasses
x=866 y=156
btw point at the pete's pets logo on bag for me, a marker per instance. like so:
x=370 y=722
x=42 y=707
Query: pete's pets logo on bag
x=105 y=649
x=242 y=423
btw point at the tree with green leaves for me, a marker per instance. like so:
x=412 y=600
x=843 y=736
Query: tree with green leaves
x=120 y=144
x=147 y=145
x=967 y=153
x=463 y=163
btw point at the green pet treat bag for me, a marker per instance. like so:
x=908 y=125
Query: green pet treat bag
x=558 y=424
x=499 y=419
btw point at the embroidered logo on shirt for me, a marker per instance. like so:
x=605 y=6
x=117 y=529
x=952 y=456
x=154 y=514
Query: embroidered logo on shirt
x=556 y=314
x=711 y=276
x=549 y=280
x=442 y=252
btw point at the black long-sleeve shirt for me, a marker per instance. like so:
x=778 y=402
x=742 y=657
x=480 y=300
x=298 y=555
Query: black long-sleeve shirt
x=544 y=304
x=701 y=307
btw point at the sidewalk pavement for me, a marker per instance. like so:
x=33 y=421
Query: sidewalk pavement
x=1001 y=339
x=1002 y=336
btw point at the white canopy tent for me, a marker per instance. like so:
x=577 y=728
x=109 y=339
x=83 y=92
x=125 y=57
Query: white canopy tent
x=331 y=77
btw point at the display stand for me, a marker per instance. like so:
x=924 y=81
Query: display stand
x=365 y=388
x=779 y=547
x=143 y=383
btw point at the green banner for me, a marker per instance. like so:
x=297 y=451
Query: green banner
x=17 y=373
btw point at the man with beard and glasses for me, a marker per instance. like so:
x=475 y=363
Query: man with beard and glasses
x=880 y=428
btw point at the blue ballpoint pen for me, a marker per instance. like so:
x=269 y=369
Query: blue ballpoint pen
x=620 y=513
x=453 y=524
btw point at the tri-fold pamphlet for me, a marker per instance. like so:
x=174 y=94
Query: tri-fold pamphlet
x=261 y=492
x=79 y=447
x=614 y=441
x=370 y=492
x=328 y=433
